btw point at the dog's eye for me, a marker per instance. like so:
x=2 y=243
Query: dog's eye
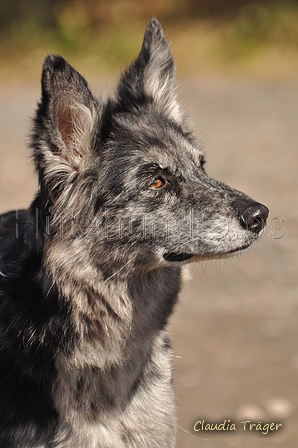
x=158 y=182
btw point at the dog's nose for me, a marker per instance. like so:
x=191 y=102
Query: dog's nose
x=254 y=217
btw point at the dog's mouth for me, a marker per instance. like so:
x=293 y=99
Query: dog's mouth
x=239 y=249
x=173 y=257
x=170 y=256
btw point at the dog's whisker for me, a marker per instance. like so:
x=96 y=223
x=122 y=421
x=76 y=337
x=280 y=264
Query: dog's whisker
x=117 y=272
x=192 y=435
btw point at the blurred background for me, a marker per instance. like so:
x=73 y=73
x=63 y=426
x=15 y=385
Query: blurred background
x=102 y=35
x=234 y=332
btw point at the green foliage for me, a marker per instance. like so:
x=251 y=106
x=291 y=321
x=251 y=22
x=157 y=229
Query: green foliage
x=106 y=34
x=273 y=24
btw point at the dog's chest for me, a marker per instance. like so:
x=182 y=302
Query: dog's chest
x=87 y=419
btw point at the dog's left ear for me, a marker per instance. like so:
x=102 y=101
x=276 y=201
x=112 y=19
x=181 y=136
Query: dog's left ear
x=151 y=77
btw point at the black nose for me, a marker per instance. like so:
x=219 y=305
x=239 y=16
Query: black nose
x=254 y=217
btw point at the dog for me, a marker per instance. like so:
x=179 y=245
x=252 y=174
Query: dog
x=91 y=272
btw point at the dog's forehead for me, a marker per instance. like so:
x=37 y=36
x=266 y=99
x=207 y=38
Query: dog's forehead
x=176 y=156
x=158 y=140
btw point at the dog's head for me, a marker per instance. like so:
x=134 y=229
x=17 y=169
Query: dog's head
x=125 y=175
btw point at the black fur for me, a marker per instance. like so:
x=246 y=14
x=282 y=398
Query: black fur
x=90 y=274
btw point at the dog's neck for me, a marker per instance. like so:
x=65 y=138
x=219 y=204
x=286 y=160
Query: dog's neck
x=105 y=326
x=109 y=316
x=115 y=335
x=106 y=314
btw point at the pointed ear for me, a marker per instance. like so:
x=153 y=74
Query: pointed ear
x=151 y=77
x=65 y=119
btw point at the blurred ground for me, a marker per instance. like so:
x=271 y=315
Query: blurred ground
x=234 y=331
x=236 y=325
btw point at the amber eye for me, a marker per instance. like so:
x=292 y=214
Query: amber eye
x=157 y=183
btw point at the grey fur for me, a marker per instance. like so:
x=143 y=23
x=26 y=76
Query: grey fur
x=124 y=202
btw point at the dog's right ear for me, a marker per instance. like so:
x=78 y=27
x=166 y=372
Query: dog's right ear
x=64 y=123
